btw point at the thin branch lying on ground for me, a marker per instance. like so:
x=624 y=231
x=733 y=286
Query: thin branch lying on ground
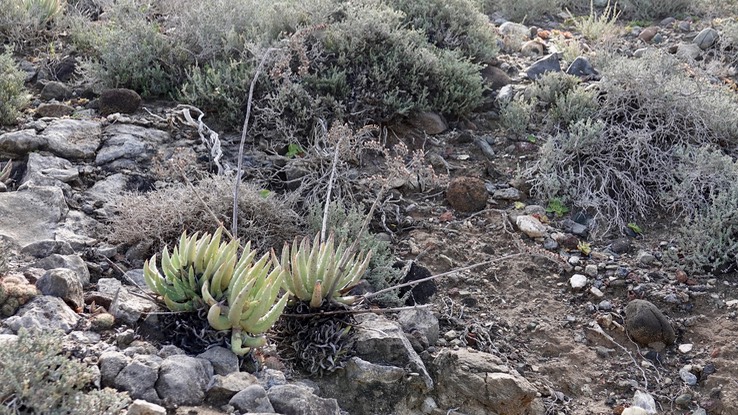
x=354 y=311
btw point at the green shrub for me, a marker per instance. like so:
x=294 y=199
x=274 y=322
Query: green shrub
x=577 y=104
x=624 y=163
x=452 y=24
x=129 y=50
x=551 y=86
x=13 y=95
x=654 y=9
x=516 y=115
x=24 y=22
x=525 y=10
x=38 y=378
x=600 y=27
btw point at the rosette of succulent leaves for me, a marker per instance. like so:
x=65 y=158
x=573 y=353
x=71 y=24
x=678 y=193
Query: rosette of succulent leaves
x=240 y=293
x=321 y=273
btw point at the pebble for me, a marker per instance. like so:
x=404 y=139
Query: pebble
x=699 y=411
x=450 y=335
x=648 y=34
x=732 y=303
x=549 y=63
x=685 y=347
x=591 y=270
x=530 y=226
x=573 y=260
x=645 y=258
x=581 y=67
x=639 y=52
x=688 y=377
x=684 y=26
x=605 y=305
x=550 y=244
x=578 y=281
x=706 y=38
x=596 y=292
x=667 y=21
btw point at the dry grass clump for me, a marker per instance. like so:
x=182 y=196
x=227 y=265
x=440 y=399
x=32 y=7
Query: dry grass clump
x=13 y=94
x=654 y=9
x=625 y=163
x=599 y=27
x=162 y=215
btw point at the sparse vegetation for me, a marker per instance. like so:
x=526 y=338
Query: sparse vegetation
x=13 y=95
x=39 y=378
x=655 y=9
x=602 y=27
x=527 y=11
x=516 y=114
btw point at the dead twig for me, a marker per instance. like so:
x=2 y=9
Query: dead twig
x=432 y=277
x=353 y=311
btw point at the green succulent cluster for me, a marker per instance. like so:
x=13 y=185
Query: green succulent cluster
x=207 y=273
x=13 y=294
x=322 y=271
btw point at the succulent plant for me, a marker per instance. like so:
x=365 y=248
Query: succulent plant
x=239 y=294
x=249 y=309
x=322 y=271
x=14 y=292
x=192 y=263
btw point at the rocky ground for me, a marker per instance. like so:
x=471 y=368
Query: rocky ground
x=536 y=326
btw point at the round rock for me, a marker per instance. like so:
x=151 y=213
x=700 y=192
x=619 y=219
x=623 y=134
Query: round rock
x=646 y=324
x=467 y=194
x=706 y=38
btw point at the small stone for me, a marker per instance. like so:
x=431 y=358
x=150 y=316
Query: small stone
x=550 y=244
x=639 y=52
x=688 y=51
x=467 y=194
x=54 y=110
x=596 y=292
x=495 y=77
x=683 y=400
x=646 y=324
x=591 y=270
x=685 y=348
x=731 y=303
x=515 y=30
x=574 y=227
x=530 y=226
x=648 y=33
x=252 y=399
x=621 y=246
x=55 y=90
x=429 y=122
x=573 y=260
x=509 y=193
x=684 y=26
x=121 y=100
x=605 y=305
x=577 y=282
x=549 y=63
x=645 y=258
x=141 y=407
x=450 y=335
x=634 y=410
x=532 y=47
x=681 y=276
x=581 y=67
x=669 y=21
x=102 y=321
x=687 y=376
x=657 y=39
x=706 y=38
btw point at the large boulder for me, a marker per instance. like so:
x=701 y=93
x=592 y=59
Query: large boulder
x=32 y=215
x=479 y=383
x=73 y=139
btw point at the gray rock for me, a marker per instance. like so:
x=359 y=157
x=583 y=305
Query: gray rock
x=581 y=67
x=577 y=282
x=252 y=399
x=139 y=377
x=640 y=52
x=63 y=283
x=71 y=262
x=271 y=377
x=75 y=228
x=128 y=308
x=706 y=38
x=73 y=139
x=222 y=388
x=421 y=320
x=141 y=407
x=55 y=90
x=646 y=324
x=183 y=380
x=169 y=350
x=530 y=226
x=121 y=100
x=688 y=377
x=668 y=21
x=111 y=363
x=108 y=189
x=495 y=77
x=44 y=313
x=509 y=193
x=688 y=51
x=32 y=215
x=126 y=145
x=224 y=361
x=515 y=30
x=548 y=63
x=574 y=227
x=684 y=26
x=299 y=400
x=17 y=144
x=54 y=110
x=47 y=170
x=368 y=374
x=645 y=258
x=591 y=270
x=429 y=122
x=42 y=249
x=648 y=33
x=533 y=48
x=621 y=246
x=478 y=384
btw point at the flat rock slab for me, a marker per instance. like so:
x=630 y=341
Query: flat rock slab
x=17 y=144
x=73 y=139
x=44 y=313
x=32 y=215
